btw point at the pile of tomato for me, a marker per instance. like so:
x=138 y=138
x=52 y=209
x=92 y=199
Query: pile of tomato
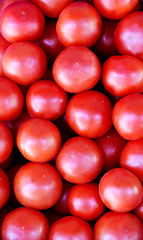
x=71 y=120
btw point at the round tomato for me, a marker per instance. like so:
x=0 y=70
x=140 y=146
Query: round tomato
x=4 y=188
x=37 y=185
x=79 y=160
x=76 y=69
x=128 y=116
x=38 y=140
x=120 y=190
x=25 y=223
x=24 y=63
x=89 y=114
x=5 y=3
x=79 y=24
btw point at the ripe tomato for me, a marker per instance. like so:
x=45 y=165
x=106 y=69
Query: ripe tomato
x=37 y=185
x=76 y=69
x=3 y=46
x=24 y=63
x=22 y=21
x=120 y=190
x=115 y=9
x=4 y=188
x=84 y=201
x=38 y=140
x=25 y=223
x=11 y=100
x=70 y=227
x=128 y=116
x=79 y=160
x=113 y=225
x=79 y=24
x=139 y=210
x=5 y=3
x=129 y=35
x=123 y=75
x=89 y=114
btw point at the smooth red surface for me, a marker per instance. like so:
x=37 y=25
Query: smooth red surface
x=4 y=188
x=139 y=210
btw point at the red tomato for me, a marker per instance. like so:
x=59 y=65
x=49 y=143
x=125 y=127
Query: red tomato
x=49 y=41
x=139 y=210
x=89 y=114
x=70 y=227
x=111 y=145
x=25 y=223
x=113 y=225
x=45 y=99
x=52 y=8
x=79 y=24
x=6 y=142
x=80 y=160
x=4 y=188
x=115 y=9
x=132 y=158
x=22 y=21
x=38 y=140
x=5 y=3
x=37 y=185
x=120 y=190
x=84 y=202
x=3 y=46
x=129 y=35
x=76 y=69
x=4 y=211
x=11 y=100
x=128 y=116
x=24 y=63
x=123 y=75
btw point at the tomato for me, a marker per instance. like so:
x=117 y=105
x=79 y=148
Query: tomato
x=129 y=35
x=79 y=160
x=25 y=223
x=38 y=140
x=84 y=201
x=79 y=24
x=89 y=114
x=70 y=227
x=21 y=21
x=132 y=157
x=46 y=95
x=120 y=190
x=52 y=8
x=113 y=225
x=4 y=44
x=11 y=100
x=24 y=63
x=123 y=75
x=37 y=185
x=76 y=69
x=139 y=210
x=49 y=41
x=115 y=9
x=5 y=3
x=128 y=116
x=4 y=188
x=111 y=145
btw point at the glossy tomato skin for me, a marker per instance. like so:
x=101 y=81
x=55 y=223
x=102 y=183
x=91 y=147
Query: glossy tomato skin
x=4 y=44
x=129 y=35
x=132 y=157
x=11 y=100
x=128 y=116
x=120 y=190
x=5 y=3
x=82 y=18
x=4 y=188
x=25 y=223
x=22 y=21
x=89 y=114
x=37 y=185
x=79 y=160
x=113 y=225
x=70 y=227
x=84 y=202
x=139 y=210
x=123 y=75
x=76 y=69
x=115 y=9
x=24 y=63
x=111 y=145
x=51 y=99
x=38 y=140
